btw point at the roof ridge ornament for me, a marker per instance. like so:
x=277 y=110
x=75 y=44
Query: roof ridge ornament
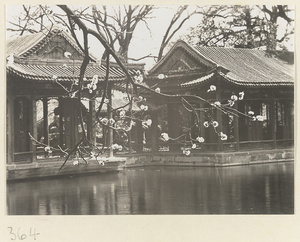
x=10 y=59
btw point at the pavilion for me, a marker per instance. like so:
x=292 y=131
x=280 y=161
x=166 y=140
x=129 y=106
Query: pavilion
x=38 y=105
x=266 y=79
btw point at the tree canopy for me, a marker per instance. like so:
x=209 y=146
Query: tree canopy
x=243 y=26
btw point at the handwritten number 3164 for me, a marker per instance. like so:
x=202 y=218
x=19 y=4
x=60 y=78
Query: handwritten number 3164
x=16 y=235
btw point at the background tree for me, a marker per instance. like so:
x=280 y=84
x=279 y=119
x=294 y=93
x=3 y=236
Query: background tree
x=243 y=26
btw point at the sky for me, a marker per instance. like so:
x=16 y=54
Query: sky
x=144 y=42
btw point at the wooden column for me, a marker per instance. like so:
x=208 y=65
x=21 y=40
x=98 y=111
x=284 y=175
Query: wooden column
x=91 y=131
x=61 y=123
x=154 y=131
x=45 y=118
x=273 y=116
x=174 y=128
x=110 y=115
x=201 y=126
x=33 y=126
x=219 y=119
x=236 y=129
x=10 y=129
x=291 y=118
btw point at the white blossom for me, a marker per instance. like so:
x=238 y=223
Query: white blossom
x=231 y=103
x=165 y=136
x=200 y=139
x=157 y=89
x=111 y=121
x=161 y=76
x=149 y=122
x=212 y=88
x=186 y=152
x=67 y=54
x=122 y=113
x=206 y=124
x=217 y=103
x=144 y=107
x=215 y=124
x=234 y=97
x=104 y=121
x=194 y=146
x=259 y=118
x=95 y=79
x=75 y=163
x=223 y=136
x=251 y=113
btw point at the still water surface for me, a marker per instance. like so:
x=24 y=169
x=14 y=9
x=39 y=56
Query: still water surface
x=255 y=189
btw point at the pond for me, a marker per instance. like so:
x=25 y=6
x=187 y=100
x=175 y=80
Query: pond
x=253 y=189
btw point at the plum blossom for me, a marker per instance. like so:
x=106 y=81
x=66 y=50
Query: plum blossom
x=122 y=113
x=217 y=103
x=95 y=79
x=111 y=121
x=161 y=76
x=234 y=97
x=165 y=136
x=251 y=113
x=212 y=88
x=200 y=139
x=206 y=124
x=230 y=103
x=117 y=147
x=146 y=124
x=104 y=121
x=67 y=54
x=223 y=136
x=157 y=89
x=76 y=162
x=144 y=107
x=149 y=122
x=138 y=77
x=194 y=146
x=186 y=152
x=259 y=118
x=215 y=124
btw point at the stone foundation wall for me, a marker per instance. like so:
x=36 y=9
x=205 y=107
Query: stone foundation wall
x=212 y=159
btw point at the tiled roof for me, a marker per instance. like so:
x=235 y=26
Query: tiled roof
x=22 y=64
x=23 y=46
x=246 y=67
x=250 y=66
x=64 y=73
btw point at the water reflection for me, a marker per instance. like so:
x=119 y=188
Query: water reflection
x=256 y=189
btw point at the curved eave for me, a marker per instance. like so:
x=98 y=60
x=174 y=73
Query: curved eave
x=189 y=50
x=256 y=84
x=44 y=78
